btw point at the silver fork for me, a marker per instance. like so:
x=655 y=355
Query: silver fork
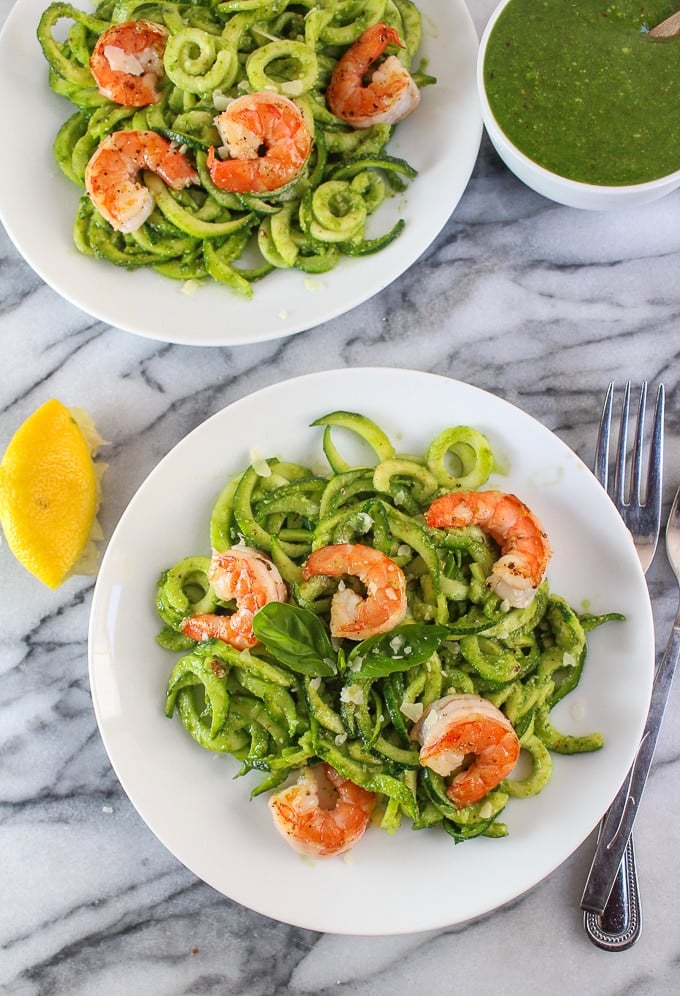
x=619 y=925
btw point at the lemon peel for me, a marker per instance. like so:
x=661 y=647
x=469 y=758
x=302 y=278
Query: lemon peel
x=50 y=490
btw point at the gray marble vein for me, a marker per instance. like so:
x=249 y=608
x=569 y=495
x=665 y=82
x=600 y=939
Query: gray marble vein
x=540 y=304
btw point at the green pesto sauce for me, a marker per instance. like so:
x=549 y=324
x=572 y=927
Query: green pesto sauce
x=579 y=87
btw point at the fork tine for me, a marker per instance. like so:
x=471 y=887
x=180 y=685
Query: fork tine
x=620 y=466
x=603 y=432
x=634 y=493
x=654 y=475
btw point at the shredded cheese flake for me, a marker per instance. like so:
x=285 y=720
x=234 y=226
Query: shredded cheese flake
x=412 y=710
x=259 y=464
x=353 y=694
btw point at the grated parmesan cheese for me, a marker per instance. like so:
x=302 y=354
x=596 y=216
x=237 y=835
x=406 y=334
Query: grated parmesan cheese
x=353 y=694
x=259 y=464
x=412 y=710
x=220 y=100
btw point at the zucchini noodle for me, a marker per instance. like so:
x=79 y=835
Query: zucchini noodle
x=297 y=697
x=218 y=50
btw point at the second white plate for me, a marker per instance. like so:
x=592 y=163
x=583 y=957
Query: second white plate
x=388 y=884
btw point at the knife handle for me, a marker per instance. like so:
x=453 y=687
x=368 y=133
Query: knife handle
x=621 y=922
x=619 y=819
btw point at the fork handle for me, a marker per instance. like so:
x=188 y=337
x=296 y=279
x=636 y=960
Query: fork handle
x=618 y=928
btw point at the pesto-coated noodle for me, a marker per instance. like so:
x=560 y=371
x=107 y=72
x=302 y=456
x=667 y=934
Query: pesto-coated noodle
x=297 y=696
x=212 y=52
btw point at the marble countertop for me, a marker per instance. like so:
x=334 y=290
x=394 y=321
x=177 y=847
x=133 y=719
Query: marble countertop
x=542 y=305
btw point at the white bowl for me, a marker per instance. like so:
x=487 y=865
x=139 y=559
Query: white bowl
x=594 y=197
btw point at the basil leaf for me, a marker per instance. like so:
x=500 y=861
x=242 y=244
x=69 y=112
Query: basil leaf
x=397 y=650
x=296 y=638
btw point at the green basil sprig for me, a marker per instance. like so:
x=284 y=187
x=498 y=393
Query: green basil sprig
x=398 y=650
x=295 y=637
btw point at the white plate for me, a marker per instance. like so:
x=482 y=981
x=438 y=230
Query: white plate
x=38 y=204
x=388 y=884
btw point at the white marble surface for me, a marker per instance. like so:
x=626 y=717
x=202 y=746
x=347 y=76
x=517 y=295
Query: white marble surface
x=541 y=304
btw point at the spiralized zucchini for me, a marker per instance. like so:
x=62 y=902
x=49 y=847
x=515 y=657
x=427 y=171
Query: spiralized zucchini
x=299 y=697
x=217 y=50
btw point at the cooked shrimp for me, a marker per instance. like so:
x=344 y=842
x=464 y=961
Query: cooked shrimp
x=354 y=616
x=391 y=93
x=523 y=541
x=268 y=142
x=319 y=830
x=249 y=578
x=457 y=726
x=111 y=175
x=127 y=62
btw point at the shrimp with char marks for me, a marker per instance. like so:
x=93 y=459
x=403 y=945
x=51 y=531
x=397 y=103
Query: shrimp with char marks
x=127 y=62
x=252 y=580
x=390 y=95
x=268 y=142
x=460 y=726
x=525 y=550
x=323 y=814
x=354 y=616
x=111 y=175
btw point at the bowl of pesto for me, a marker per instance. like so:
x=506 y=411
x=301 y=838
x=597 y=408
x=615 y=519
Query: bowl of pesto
x=579 y=102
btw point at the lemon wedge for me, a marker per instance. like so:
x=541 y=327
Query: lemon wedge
x=50 y=491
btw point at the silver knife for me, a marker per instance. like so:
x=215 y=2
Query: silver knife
x=618 y=823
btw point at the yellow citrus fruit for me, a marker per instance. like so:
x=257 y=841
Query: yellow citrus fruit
x=49 y=492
